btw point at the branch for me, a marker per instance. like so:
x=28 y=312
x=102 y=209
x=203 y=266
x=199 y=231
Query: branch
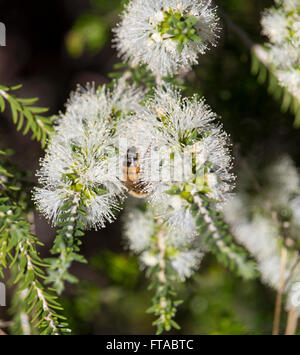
x=221 y=242
x=18 y=253
x=289 y=100
x=164 y=305
x=66 y=244
x=23 y=109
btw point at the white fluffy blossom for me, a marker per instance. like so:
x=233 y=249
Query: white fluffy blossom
x=189 y=150
x=282 y=26
x=139 y=228
x=167 y=35
x=81 y=157
x=290 y=79
x=186 y=262
x=266 y=220
x=282 y=181
x=289 y=5
x=181 y=248
x=275 y=26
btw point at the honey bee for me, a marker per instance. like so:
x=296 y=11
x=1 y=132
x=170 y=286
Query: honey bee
x=131 y=174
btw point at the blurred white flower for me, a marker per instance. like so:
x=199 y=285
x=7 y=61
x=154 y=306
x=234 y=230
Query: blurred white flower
x=167 y=35
x=282 y=181
x=186 y=262
x=286 y=56
x=263 y=216
x=289 y=5
x=139 y=228
x=182 y=249
x=281 y=25
x=148 y=259
x=275 y=25
x=295 y=207
x=290 y=79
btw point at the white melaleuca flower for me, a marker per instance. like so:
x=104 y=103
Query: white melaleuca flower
x=293 y=299
x=178 y=216
x=92 y=105
x=148 y=259
x=139 y=229
x=285 y=56
x=275 y=25
x=282 y=181
x=258 y=235
x=263 y=216
x=186 y=262
x=294 y=205
x=261 y=237
x=167 y=35
x=81 y=157
x=282 y=26
x=289 y=5
x=188 y=148
x=290 y=79
x=181 y=247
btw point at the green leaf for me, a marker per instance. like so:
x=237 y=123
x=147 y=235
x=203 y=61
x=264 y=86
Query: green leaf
x=180 y=47
x=191 y=20
x=196 y=39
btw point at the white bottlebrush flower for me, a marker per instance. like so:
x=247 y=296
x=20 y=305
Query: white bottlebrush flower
x=81 y=157
x=189 y=148
x=261 y=237
x=149 y=237
x=149 y=259
x=139 y=229
x=291 y=80
x=167 y=35
x=91 y=104
x=179 y=216
x=275 y=26
x=285 y=56
x=186 y=262
x=294 y=204
x=282 y=181
x=281 y=25
x=264 y=218
x=289 y=5
x=258 y=235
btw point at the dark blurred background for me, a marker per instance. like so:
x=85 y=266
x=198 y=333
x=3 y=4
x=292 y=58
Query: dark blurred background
x=54 y=45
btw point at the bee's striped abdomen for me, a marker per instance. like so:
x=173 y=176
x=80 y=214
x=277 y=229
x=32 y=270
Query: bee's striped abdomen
x=131 y=171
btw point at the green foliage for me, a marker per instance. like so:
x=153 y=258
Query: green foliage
x=140 y=76
x=120 y=269
x=210 y=306
x=215 y=302
x=90 y=32
x=25 y=115
x=164 y=303
x=265 y=74
x=19 y=254
x=67 y=242
x=109 y=6
x=164 y=280
x=210 y=224
x=87 y=302
x=180 y=28
x=220 y=241
x=93 y=306
x=218 y=302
